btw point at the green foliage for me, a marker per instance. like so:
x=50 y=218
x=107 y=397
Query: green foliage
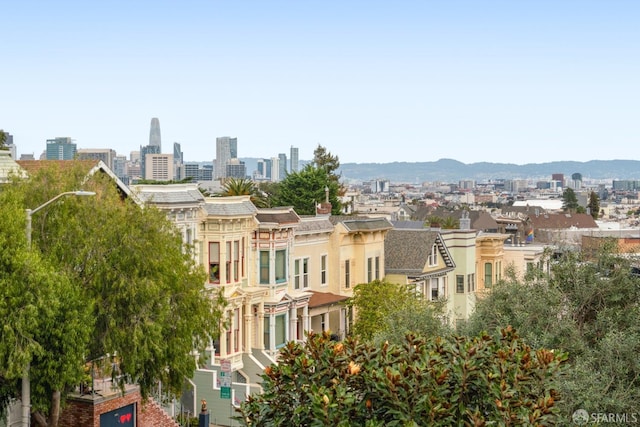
x=586 y=308
x=569 y=200
x=3 y=139
x=323 y=159
x=594 y=205
x=107 y=277
x=453 y=381
x=304 y=189
x=388 y=311
x=244 y=187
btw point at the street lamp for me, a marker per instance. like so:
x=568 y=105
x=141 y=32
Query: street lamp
x=26 y=382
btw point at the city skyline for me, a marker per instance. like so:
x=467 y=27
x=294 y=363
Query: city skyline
x=375 y=82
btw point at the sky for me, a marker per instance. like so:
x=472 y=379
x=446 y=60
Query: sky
x=514 y=81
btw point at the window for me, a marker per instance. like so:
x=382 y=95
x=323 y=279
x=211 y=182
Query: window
x=305 y=273
x=228 y=263
x=498 y=271
x=242 y=257
x=296 y=274
x=236 y=260
x=323 y=270
x=369 y=269
x=264 y=267
x=433 y=256
x=488 y=275
x=281 y=330
x=347 y=274
x=460 y=283
x=214 y=262
x=267 y=333
x=236 y=330
x=377 y=268
x=434 y=289
x=471 y=282
x=281 y=266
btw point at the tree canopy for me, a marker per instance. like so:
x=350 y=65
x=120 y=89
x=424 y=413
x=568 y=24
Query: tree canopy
x=306 y=188
x=323 y=159
x=246 y=187
x=569 y=200
x=594 y=205
x=388 y=311
x=587 y=306
x=112 y=278
x=417 y=382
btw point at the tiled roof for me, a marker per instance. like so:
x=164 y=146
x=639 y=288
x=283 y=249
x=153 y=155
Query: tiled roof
x=407 y=251
x=310 y=225
x=171 y=197
x=562 y=221
x=355 y=223
x=319 y=299
x=8 y=166
x=240 y=208
x=277 y=216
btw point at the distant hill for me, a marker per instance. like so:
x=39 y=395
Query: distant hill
x=448 y=170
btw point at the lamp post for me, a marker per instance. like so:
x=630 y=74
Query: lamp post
x=26 y=382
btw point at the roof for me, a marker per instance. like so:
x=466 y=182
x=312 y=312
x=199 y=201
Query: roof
x=412 y=225
x=168 y=194
x=320 y=299
x=406 y=251
x=7 y=166
x=562 y=221
x=356 y=224
x=91 y=165
x=280 y=216
x=229 y=206
x=311 y=225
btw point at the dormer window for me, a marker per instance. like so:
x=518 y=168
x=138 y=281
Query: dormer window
x=433 y=256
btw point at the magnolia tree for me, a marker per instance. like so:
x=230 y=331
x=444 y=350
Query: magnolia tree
x=453 y=381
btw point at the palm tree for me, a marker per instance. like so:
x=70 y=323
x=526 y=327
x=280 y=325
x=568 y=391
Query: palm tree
x=3 y=139
x=244 y=187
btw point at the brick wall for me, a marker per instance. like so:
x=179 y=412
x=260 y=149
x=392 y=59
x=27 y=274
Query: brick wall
x=85 y=411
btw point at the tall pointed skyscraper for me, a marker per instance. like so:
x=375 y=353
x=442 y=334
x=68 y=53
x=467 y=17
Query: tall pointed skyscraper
x=154 y=134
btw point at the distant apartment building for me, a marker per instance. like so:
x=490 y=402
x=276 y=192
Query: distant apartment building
x=198 y=172
x=61 y=148
x=626 y=185
x=293 y=159
x=275 y=169
x=159 y=167
x=282 y=157
x=466 y=184
x=144 y=151
x=226 y=149
x=178 y=169
x=107 y=155
x=120 y=168
x=8 y=142
x=236 y=169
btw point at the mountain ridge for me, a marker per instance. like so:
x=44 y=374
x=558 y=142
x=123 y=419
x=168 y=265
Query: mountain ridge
x=450 y=170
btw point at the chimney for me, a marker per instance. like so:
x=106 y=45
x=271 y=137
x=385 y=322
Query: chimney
x=324 y=208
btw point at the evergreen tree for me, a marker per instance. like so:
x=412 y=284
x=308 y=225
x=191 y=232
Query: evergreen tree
x=594 y=205
x=306 y=188
x=569 y=201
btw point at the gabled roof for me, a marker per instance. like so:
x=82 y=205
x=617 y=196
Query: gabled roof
x=562 y=221
x=229 y=206
x=8 y=166
x=92 y=166
x=407 y=251
x=279 y=216
x=355 y=224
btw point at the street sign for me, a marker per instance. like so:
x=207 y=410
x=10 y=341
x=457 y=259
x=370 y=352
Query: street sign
x=225 y=392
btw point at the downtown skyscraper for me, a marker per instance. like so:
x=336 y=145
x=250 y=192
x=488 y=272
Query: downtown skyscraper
x=154 y=134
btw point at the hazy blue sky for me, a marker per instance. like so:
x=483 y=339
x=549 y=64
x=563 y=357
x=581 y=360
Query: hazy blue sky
x=513 y=81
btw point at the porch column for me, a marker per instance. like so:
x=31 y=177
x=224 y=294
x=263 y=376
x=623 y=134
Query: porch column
x=272 y=332
x=306 y=322
x=325 y=318
x=343 y=323
x=260 y=327
x=223 y=337
x=293 y=322
x=247 y=331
